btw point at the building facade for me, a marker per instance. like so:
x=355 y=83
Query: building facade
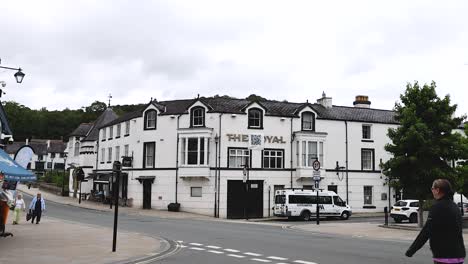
x=199 y=152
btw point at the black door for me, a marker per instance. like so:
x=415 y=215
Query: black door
x=245 y=200
x=147 y=194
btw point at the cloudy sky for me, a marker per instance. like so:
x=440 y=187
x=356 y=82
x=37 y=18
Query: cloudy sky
x=76 y=52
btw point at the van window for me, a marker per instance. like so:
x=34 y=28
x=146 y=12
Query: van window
x=280 y=199
x=325 y=200
x=302 y=199
x=337 y=201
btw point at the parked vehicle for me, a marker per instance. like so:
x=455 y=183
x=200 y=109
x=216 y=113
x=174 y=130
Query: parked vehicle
x=301 y=203
x=405 y=210
x=465 y=207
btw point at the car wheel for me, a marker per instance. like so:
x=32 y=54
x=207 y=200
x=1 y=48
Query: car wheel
x=413 y=218
x=305 y=216
x=345 y=215
x=397 y=220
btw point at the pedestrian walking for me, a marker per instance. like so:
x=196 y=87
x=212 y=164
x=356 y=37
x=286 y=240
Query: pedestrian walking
x=38 y=206
x=20 y=205
x=443 y=227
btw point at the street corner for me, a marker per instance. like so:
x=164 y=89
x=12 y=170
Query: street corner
x=57 y=241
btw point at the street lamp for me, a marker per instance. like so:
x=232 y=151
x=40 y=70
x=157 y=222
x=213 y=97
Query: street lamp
x=64 y=172
x=19 y=75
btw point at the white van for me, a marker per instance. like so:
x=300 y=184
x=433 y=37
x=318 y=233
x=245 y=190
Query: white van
x=303 y=203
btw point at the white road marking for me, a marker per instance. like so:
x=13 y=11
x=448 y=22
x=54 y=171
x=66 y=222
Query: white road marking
x=213 y=247
x=304 y=262
x=281 y=263
x=216 y=252
x=180 y=241
x=277 y=258
x=196 y=244
x=261 y=260
x=182 y=246
x=252 y=254
x=197 y=248
x=231 y=250
x=236 y=256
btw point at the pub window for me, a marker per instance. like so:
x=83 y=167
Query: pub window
x=196 y=191
x=52 y=155
x=194 y=151
x=366 y=132
x=367 y=159
x=308 y=121
x=127 y=128
x=109 y=155
x=111 y=132
x=103 y=155
x=238 y=157
x=117 y=153
x=255 y=118
x=103 y=134
x=119 y=130
x=126 y=150
x=149 y=154
x=150 y=119
x=273 y=159
x=308 y=151
x=198 y=116
x=77 y=149
x=368 y=195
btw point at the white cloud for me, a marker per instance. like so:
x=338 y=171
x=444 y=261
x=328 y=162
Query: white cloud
x=74 y=53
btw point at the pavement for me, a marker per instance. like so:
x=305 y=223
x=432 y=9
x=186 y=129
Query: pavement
x=55 y=240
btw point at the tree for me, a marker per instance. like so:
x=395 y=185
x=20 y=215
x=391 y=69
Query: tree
x=423 y=145
x=462 y=165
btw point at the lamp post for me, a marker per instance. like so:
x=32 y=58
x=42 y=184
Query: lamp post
x=246 y=182
x=19 y=75
x=64 y=172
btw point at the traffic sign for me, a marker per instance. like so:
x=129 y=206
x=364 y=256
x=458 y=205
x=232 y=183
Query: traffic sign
x=316 y=165
x=316 y=175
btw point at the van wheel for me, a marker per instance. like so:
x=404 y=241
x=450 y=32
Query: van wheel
x=305 y=216
x=413 y=218
x=345 y=215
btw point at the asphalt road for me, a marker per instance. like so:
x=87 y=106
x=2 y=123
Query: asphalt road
x=216 y=242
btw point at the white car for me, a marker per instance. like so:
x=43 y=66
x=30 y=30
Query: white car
x=405 y=210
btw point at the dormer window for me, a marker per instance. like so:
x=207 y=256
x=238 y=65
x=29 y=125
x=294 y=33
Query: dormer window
x=197 y=117
x=150 y=119
x=308 y=121
x=255 y=118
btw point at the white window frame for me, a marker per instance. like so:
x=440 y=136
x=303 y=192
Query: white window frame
x=104 y=134
x=77 y=149
x=370 y=132
x=119 y=130
x=127 y=127
x=237 y=157
x=117 y=153
x=150 y=119
x=370 y=195
x=367 y=165
x=198 y=114
x=311 y=121
x=109 y=155
x=201 y=155
x=259 y=118
x=126 y=149
x=304 y=154
x=103 y=155
x=111 y=132
x=148 y=157
x=272 y=154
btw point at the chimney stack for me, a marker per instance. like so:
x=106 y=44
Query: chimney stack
x=362 y=101
x=325 y=101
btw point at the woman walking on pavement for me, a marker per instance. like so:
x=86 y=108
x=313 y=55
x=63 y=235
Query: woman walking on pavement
x=19 y=205
x=37 y=205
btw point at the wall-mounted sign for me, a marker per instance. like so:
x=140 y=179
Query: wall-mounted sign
x=245 y=138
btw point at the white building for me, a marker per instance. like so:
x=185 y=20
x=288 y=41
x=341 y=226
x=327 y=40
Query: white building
x=193 y=152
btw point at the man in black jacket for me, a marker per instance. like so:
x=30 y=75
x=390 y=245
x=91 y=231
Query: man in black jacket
x=443 y=227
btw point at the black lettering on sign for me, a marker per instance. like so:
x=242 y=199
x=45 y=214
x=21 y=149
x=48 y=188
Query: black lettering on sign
x=245 y=138
x=268 y=139
x=275 y=140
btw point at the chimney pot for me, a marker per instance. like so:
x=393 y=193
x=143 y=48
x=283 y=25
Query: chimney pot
x=362 y=101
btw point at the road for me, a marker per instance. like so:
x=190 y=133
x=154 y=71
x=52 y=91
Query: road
x=216 y=242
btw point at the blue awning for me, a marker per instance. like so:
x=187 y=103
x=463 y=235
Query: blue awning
x=12 y=170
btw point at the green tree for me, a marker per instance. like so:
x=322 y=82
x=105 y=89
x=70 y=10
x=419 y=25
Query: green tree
x=423 y=145
x=462 y=165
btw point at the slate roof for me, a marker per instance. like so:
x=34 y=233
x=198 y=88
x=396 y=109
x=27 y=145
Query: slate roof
x=107 y=116
x=272 y=108
x=57 y=147
x=12 y=148
x=125 y=117
x=40 y=148
x=82 y=130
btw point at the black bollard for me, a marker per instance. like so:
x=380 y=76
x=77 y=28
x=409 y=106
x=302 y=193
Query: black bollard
x=386 y=215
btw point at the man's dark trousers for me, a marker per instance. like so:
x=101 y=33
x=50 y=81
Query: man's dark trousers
x=37 y=212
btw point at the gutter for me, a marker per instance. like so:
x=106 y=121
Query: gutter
x=291 y=153
x=177 y=160
x=346 y=144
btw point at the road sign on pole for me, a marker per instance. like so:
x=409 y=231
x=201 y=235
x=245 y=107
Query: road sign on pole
x=316 y=165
